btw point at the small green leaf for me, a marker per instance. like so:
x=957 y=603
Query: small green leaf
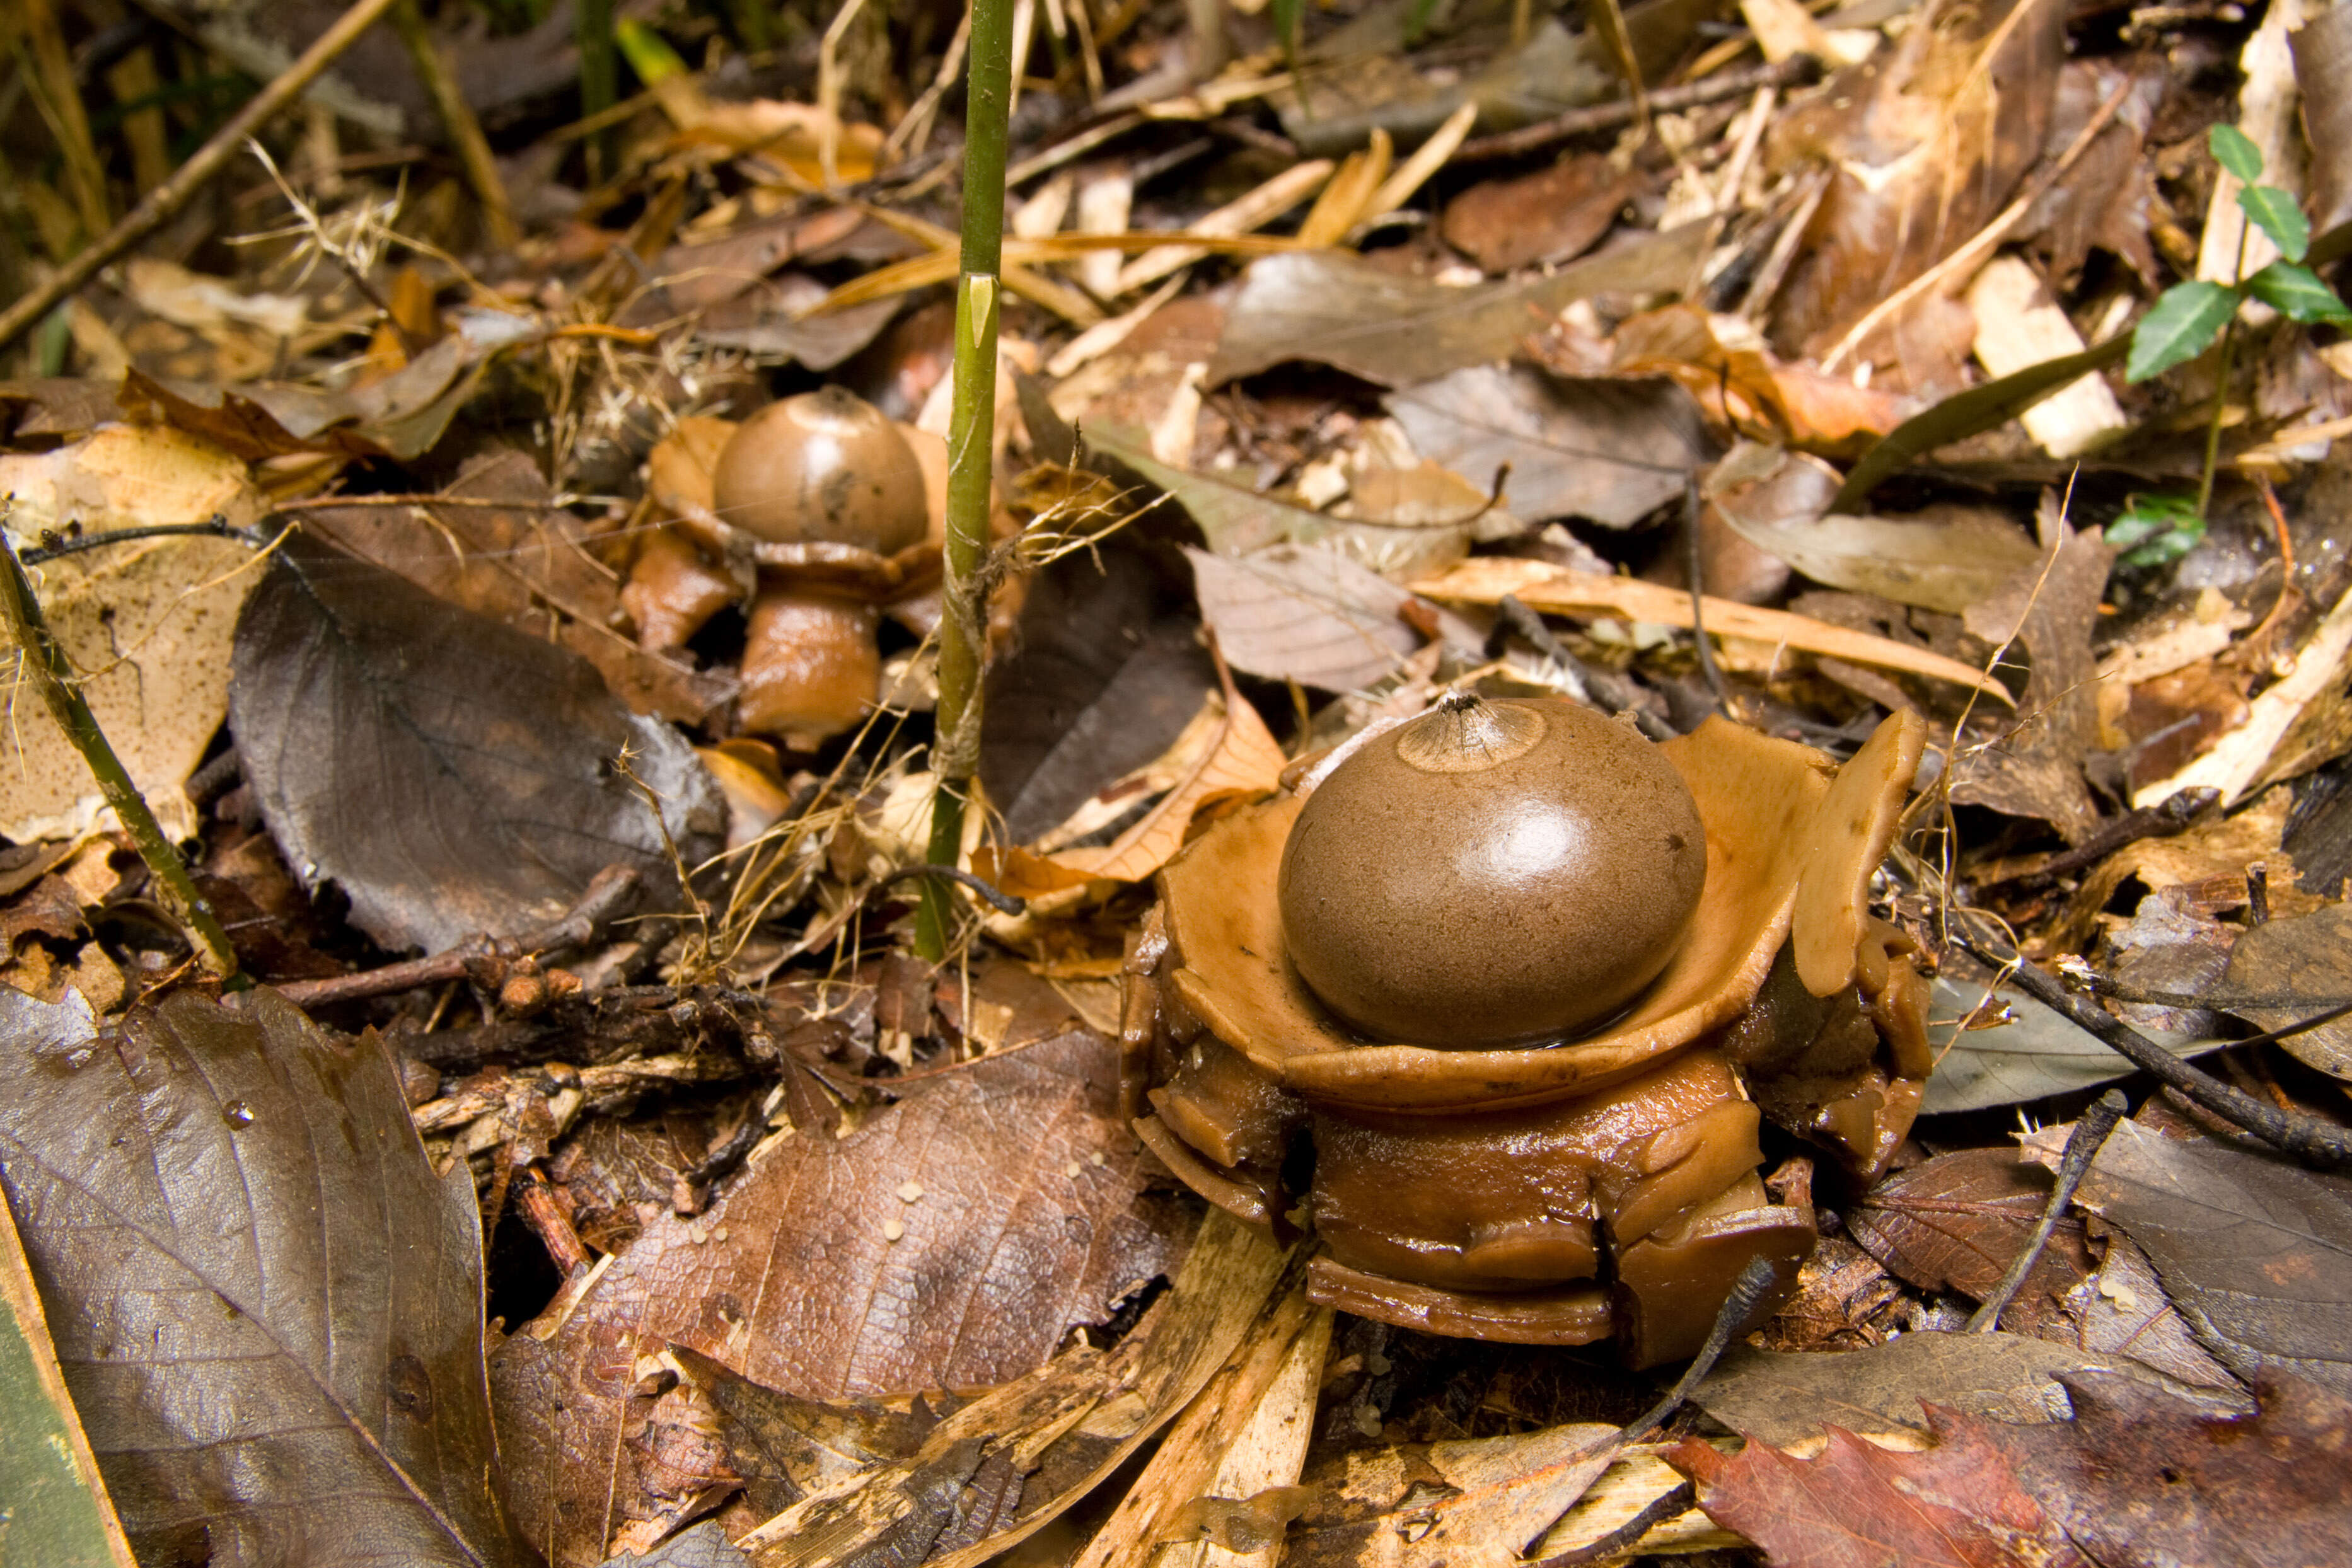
x=2298 y=292
x=649 y=53
x=2276 y=214
x=2235 y=151
x=2154 y=530
x=2183 y=323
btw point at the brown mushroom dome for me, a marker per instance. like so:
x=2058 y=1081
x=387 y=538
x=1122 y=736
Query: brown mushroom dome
x=823 y=467
x=1491 y=873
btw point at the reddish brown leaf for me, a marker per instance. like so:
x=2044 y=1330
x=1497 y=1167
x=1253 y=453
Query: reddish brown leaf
x=1550 y=216
x=1862 y=1506
x=1954 y=1223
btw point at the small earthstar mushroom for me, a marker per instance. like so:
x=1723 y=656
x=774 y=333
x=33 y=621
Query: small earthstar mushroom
x=822 y=469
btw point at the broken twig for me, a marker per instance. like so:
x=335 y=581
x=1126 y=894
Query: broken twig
x=2306 y=1137
x=610 y=893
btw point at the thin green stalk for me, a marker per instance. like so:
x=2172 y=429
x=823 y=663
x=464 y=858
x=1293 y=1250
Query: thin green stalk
x=963 y=621
x=599 y=77
x=49 y=673
x=2213 y=425
x=2221 y=387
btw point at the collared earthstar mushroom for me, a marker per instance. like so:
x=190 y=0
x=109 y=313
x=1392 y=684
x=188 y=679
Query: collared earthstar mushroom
x=1495 y=1010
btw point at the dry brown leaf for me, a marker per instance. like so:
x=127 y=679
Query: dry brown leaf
x=812 y=1275
x=1925 y=147
x=1562 y=592
x=1068 y=1425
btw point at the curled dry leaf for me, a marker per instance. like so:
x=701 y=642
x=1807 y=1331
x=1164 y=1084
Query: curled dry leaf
x=147 y=621
x=450 y=773
x=811 y=1274
x=268 y=1307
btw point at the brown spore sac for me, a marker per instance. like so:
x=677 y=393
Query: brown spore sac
x=824 y=467
x=1492 y=873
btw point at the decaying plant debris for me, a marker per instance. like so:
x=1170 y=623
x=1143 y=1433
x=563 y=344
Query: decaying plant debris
x=575 y=1162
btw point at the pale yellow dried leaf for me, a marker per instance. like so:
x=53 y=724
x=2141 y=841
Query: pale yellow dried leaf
x=148 y=623
x=1557 y=590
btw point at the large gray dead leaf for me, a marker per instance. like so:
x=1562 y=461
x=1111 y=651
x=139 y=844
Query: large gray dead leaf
x=452 y=775
x=1237 y=520
x=2037 y=1054
x=1781 y=1398
x=1105 y=673
x=267 y=1308
x=2255 y=1252
x=525 y=563
x=1334 y=308
x=950 y=1241
x=1308 y=613
x=1608 y=450
x=1948 y=558
x=2285 y=970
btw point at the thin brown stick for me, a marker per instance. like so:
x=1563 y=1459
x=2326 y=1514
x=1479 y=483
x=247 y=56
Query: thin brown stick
x=2083 y=1146
x=458 y=119
x=157 y=207
x=2306 y=1137
x=1798 y=70
x=608 y=894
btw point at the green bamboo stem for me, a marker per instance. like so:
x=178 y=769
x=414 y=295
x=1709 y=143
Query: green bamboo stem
x=963 y=620
x=48 y=672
